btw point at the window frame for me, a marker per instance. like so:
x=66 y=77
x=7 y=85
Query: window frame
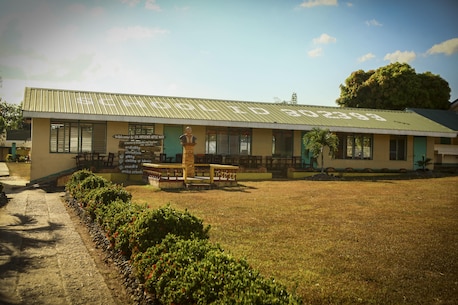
x=74 y=137
x=355 y=146
x=282 y=143
x=228 y=141
x=135 y=129
x=394 y=152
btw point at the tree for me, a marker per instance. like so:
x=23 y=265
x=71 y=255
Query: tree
x=11 y=116
x=396 y=86
x=317 y=139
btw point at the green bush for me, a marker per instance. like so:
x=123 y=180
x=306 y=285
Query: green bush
x=170 y=249
x=95 y=198
x=90 y=183
x=151 y=226
x=74 y=184
x=116 y=214
x=194 y=271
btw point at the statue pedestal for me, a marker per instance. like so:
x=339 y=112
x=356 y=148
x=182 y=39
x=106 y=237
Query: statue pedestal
x=188 y=160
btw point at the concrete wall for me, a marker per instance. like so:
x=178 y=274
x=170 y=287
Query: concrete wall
x=45 y=163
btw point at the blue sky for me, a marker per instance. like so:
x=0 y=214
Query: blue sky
x=239 y=50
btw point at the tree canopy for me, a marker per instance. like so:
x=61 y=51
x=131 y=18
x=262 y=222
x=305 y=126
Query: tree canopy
x=11 y=118
x=396 y=86
x=317 y=139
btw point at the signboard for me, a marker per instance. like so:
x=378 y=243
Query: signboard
x=136 y=150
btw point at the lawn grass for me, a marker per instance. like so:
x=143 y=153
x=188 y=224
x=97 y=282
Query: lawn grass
x=337 y=242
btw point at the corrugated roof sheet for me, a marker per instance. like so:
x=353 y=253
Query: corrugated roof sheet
x=448 y=118
x=82 y=105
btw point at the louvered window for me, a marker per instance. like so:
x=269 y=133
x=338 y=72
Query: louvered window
x=77 y=137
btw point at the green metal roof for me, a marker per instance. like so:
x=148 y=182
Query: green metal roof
x=83 y=105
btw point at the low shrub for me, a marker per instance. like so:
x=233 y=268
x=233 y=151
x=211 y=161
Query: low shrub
x=74 y=184
x=151 y=226
x=194 y=271
x=105 y=195
x=88 y=184
x=170 y=250
x=115 y=215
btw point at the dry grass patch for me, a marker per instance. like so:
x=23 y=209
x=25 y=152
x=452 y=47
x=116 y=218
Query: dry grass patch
x=338 y=242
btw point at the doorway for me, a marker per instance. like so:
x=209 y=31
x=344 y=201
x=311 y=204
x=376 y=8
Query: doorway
x=419 y=151
x=172 y=145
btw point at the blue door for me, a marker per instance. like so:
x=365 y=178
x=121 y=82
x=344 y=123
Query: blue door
x=172 y=145
x=419 y=151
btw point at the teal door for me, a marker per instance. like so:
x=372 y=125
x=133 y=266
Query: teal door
x=172 y=145
x=419 y=150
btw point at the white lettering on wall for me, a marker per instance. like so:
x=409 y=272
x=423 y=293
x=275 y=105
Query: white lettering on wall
x=106 y=102
x=184 y=106
x=84 y=101
x=376 y=117
x=309 y=113
x=204 y=108
x=236 y=109
x=161 y=105
x=136 y=103
x=338 y=115
x=257 y=110
x=333 y=114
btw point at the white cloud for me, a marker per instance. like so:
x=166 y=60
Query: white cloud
x=130 y=2
x=448 y=47
x=402 y=57
x=152 y=5
x=349 y=4
x=373 y=22
x=366 y=57
x=312 y=3
x=118 y=34
x=315 y=52
x=324 y=39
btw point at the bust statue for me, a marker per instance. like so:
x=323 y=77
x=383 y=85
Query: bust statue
x=187 y=137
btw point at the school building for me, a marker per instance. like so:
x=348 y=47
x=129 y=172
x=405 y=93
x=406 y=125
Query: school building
x=119 y=132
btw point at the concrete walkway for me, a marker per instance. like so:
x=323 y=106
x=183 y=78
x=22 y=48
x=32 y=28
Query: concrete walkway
x=4 y=171
x=43 y=260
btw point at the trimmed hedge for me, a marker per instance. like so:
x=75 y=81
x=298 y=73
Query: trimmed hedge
x=170 y=250
x=194 y=271
x=149 y=227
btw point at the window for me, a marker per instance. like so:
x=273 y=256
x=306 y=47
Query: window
x=354 y=146
x=228 y=141
x=282 y=143
x=398 y=148
x=446 y=141
x=76 y=137
x=141 y=129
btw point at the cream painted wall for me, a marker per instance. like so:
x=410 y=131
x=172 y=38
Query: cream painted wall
x=261 y=142
x=199 y=132
x=112 y=129
x=381 y=156
x=297 y=145
x=43 y=162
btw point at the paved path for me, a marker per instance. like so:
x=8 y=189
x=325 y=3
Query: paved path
x=43 y=260
x=4 y=171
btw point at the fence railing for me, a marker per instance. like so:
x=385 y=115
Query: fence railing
x=173 y=171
